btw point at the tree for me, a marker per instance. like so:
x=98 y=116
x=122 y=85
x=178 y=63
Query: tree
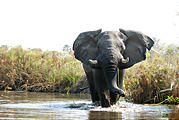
x=66 y=48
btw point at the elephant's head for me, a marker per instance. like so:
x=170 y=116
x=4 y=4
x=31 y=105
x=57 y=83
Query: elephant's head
x=111 y=50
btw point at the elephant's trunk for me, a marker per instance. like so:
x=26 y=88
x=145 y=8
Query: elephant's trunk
x=109 y=62
x=111 y=72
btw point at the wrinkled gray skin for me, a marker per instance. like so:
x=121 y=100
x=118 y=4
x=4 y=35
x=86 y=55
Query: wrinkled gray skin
x=105 y=55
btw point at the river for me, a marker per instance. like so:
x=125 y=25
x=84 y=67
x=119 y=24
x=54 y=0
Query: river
x=46 y=106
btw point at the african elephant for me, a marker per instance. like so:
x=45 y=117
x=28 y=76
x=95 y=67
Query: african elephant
x=105 y=55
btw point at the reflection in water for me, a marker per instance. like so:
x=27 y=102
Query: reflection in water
x=102 y=115
x=175 y=113
x=45 y=106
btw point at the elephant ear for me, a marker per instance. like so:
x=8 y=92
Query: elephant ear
x=136 y=45
x=85 y=46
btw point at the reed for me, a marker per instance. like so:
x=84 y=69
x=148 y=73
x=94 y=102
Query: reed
x=35 y=70
x=156 y=78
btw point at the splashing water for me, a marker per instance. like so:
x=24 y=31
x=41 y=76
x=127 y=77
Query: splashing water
x=27 y=106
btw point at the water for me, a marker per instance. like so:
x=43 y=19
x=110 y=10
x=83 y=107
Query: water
x=46 y=106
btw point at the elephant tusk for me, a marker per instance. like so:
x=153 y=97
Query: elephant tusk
x=94 y=62
x=125 y=60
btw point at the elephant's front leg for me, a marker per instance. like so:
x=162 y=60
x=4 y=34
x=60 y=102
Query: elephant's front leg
x=91 y=83
x=102 y=88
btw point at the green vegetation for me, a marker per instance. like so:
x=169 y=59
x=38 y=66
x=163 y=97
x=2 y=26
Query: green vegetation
x=35 y=70
x=145 y=81
x=171 y=100
x=51 y=71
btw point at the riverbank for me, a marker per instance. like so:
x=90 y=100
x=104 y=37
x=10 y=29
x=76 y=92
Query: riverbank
x=50 y=71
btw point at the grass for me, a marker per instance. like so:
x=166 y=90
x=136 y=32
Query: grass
x=144 y=81
x=35 y=70
x=51 y=71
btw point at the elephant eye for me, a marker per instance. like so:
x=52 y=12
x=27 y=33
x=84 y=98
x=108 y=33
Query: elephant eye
x=121 y=48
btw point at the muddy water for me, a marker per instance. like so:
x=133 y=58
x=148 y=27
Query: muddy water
x=46 y=106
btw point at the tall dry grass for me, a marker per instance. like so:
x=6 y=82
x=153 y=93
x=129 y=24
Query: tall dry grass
x=145 y=81
x=35 y=70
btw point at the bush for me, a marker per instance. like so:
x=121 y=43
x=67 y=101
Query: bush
x=24 y=69
x=144 y=81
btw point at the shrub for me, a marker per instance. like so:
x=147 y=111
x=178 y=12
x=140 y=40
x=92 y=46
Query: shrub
x=144 y=81
x=24 y=69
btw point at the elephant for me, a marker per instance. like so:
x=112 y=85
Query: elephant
x=105 y=55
